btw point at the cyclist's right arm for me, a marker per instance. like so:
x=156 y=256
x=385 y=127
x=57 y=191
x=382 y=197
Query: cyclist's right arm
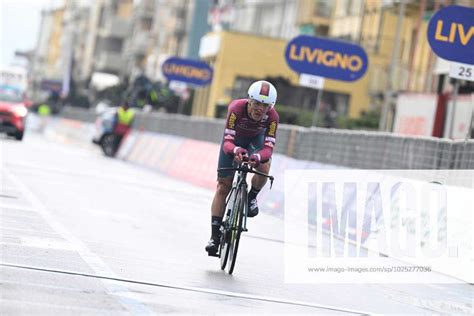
x=229 y=146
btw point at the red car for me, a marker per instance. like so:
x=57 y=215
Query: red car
x=12 y=113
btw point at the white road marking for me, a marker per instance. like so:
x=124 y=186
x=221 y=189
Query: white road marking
x=199 y=290
x=34 y=231
x=46 y=243
x=131 y=302
x=16 y=207
x=110 y=215
x=67 y=308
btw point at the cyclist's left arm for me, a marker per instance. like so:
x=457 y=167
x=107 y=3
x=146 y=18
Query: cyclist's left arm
x=270 y=137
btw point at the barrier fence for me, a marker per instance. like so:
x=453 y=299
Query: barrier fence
x=155 y=148
x=195 y=161
x=349 y=148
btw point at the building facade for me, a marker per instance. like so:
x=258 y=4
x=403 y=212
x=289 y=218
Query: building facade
x=45 y=66
x=275 y=18
x=369 y=23
x=238 y=59
x=109 y=27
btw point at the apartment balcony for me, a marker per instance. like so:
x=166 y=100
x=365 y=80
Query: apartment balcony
x=378 y=78
x=115 y=27
x=140 y=43
x=108 y=62
x=146 y=9
x=401 y=77
x=316 y=13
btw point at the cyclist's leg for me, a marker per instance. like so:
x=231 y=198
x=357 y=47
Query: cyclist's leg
x=224 y=184
x=224 y=178
x=217 y=213
x=218 y=203
x=257 y=181
x=257 y=184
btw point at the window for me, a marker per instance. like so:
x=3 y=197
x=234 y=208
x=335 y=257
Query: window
x=347 y=37
x=348 y=7
x=146 y=24
x=323 y=8
x=101 y=17
x=241 y=86
x=109 y=44
x=322 y=30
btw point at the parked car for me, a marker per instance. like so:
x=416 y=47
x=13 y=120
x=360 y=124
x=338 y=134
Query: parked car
x=13 y=112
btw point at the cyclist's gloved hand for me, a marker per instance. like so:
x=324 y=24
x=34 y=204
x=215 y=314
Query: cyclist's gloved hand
x=254 y=160
x=239 y=154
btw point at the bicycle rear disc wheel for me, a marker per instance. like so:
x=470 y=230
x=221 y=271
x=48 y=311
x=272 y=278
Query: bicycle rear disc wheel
x=236 y=230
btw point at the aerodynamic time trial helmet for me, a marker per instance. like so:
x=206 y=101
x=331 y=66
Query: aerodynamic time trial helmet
x=263 y=91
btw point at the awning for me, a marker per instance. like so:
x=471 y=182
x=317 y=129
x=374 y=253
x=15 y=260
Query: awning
x=101 y=80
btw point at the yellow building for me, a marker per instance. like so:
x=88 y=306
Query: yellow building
x=124 y=9
x=238 y=59
x=413 y=67
x=54 y=52
x=373 y=24
x=370 y=23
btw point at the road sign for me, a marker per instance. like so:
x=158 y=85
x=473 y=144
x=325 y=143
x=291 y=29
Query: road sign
x=327 y=58
x=451 y=34
x=461 y=71
x=51 y=85
x=187 y=70
x=311 y=81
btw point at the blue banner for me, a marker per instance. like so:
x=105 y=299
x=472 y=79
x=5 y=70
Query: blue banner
x=451 y=34
x=327 y=58
x=187 y=70
x=51 y=85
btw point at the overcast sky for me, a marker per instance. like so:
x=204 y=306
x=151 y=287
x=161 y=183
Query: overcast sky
x=19 y=26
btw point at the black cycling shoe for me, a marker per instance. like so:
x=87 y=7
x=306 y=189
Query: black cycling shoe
x=253 y=208
x=213 y=247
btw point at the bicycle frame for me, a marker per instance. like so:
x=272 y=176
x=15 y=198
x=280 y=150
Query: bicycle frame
x=236 y=223
x=240 y=181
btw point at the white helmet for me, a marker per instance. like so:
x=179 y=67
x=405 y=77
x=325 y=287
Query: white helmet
x=263 y=91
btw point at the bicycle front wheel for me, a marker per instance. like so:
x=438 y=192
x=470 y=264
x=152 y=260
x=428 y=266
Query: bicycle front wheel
x=236 y=228
x=226 y=231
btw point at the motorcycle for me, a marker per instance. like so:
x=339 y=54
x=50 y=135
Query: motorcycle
x=104 y=134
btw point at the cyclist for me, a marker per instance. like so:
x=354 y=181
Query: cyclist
x=44 y=112
x=123 y=121
x=250 y=132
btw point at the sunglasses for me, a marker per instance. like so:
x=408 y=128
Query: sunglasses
x=257 y=103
